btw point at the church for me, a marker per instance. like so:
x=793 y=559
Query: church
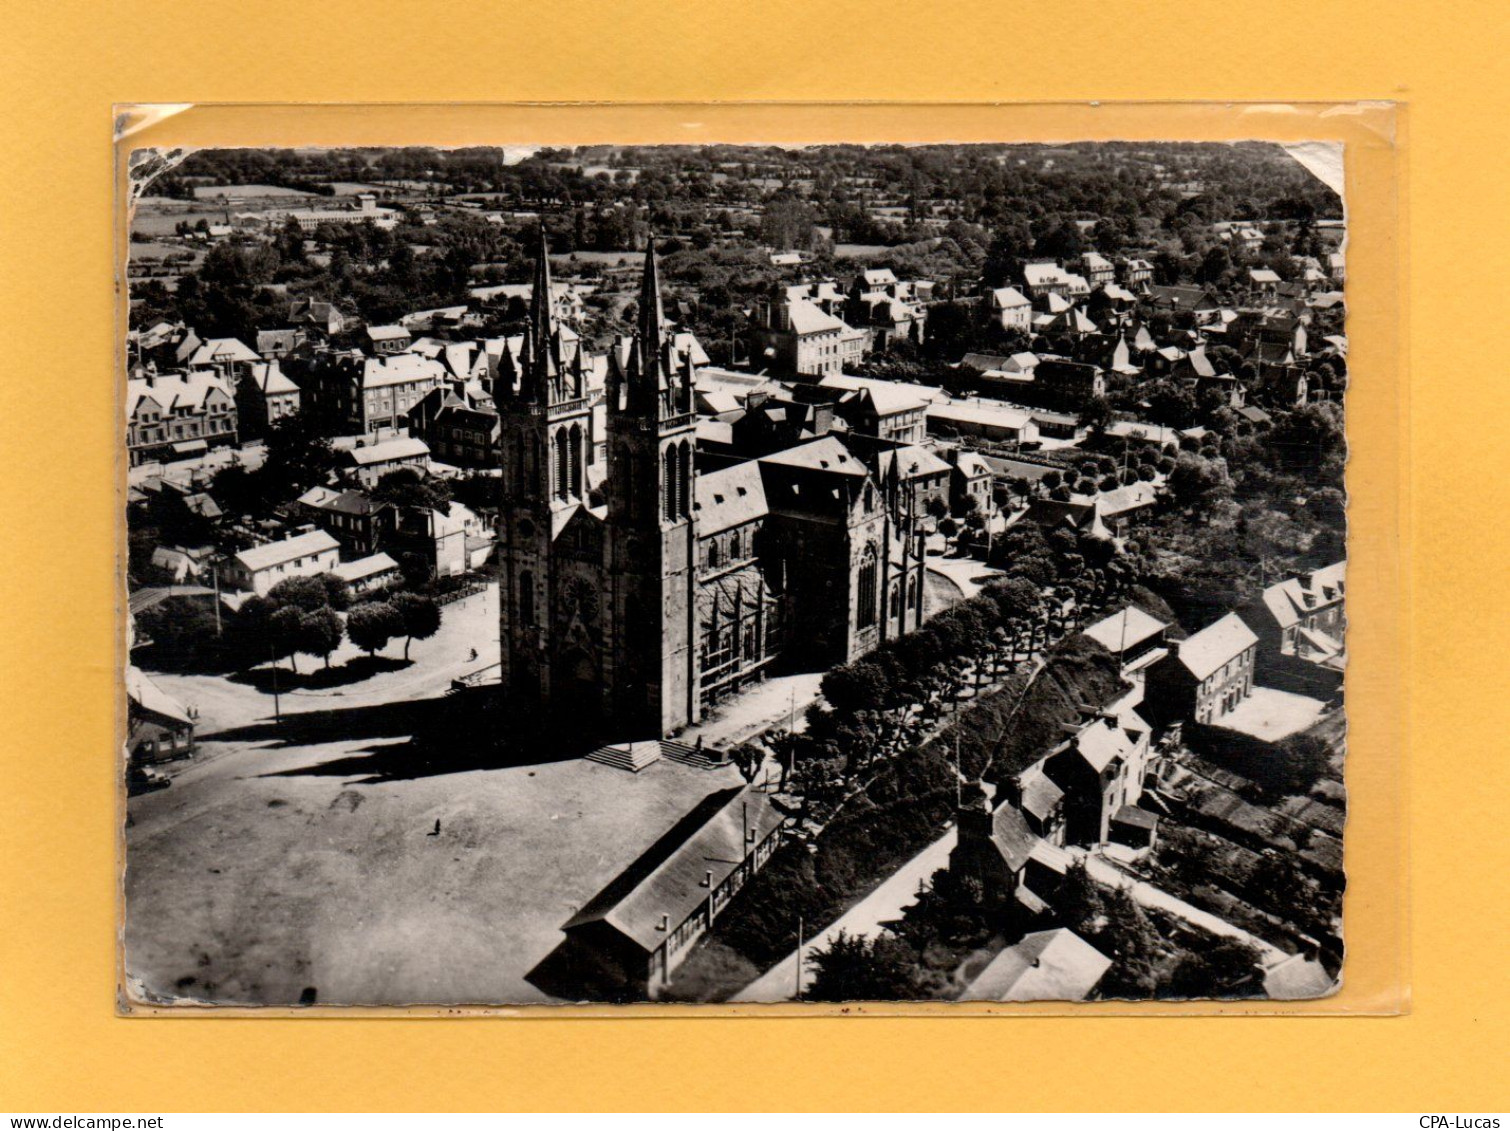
x=635 y=594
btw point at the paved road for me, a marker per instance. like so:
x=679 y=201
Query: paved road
x=883 y=905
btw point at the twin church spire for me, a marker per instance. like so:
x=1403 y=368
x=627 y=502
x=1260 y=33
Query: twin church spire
x=648 y=377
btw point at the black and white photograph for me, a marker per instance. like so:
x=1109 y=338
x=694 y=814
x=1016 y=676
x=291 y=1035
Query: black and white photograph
x=734 y=573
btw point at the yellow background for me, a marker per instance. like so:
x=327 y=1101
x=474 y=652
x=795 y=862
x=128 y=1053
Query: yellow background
x=62 y=1046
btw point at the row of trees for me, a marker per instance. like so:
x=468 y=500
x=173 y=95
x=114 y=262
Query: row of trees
x=302 y=614
x=878 y=707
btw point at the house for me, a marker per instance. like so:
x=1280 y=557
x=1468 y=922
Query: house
x=992 y=847
x=1137 y=274
x=634 y=933
x=260 y=568
x=384 y=340
x=1067 y=384
x=1097 y=269
x=1182 y=300
x=1134 y=636
x=1099 y=770
x=177 y=415
x=368 y=463
x=796 y=336
x=1009 y=308
x=922 y=476
x=1206 y=675
x=158 y=727
x=970 y=481
x=1263 y=281
x=377 y=571
x=355 y=394
x=273 y=344
x=993 y=365
x=1048 y=278
x=265 y=396
x=438 y=539
x=324 y=318
x=1336 y=267
x=1301 y=625
x=885 y=411
x=459 y=431
x=1055 y=965
x=350 y=516
x=227 y=358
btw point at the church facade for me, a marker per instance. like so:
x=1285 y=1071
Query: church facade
x=635 y=588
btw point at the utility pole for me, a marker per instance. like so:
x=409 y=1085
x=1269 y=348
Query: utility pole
x=799 y=958
x=215 y=560
x=273 y=662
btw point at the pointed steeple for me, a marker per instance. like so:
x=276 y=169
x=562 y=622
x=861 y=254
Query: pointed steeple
x=647 y=377
x=652 y=313
x=539 y=355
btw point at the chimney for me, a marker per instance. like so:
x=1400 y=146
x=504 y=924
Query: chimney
x=708 y=878
x=664 y=924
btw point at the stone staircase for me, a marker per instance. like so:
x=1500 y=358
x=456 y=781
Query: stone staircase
x=635 y=756
x=687 y=755
x=631 y=756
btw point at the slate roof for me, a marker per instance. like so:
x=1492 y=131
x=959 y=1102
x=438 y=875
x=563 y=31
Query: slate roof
x=823 y=454
x=806 y=318
x=667 y=880
x=400 y=368
x=1291 y=599
x=1207 y=650
x=149 y=697
x=363 y=568
x=1055 y=965
x=218 y=350
x=1126 y=629
x=401 y=447
x=1039 y=792
x=174 y=390
x=271 y=379
x=274 y=553
x=729 y=497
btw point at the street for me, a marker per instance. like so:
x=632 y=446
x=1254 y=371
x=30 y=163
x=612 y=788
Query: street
x=885 y=904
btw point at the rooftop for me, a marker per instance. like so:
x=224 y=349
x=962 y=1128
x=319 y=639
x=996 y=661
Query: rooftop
x=1124 y=630
x=667 y=883
x=1055 y=965
x=1216 y=644
x=275 y=553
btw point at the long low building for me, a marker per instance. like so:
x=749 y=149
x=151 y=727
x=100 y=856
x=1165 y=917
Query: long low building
x=996 y=423
x=639 y=928
x=262 y=567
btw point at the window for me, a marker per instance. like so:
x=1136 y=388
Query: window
x=526 y=598
x=867 y=589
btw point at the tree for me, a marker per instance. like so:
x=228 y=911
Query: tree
x=1198 y=485
x=1096 y=414
x=320 y=633
x=283 y=632
x=408 y=487
x=855 y=968
x=1226 y=968
x=372 y=625
x=304 y=593
x=1302 y=760
x=420 y=616
x=180 y=626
